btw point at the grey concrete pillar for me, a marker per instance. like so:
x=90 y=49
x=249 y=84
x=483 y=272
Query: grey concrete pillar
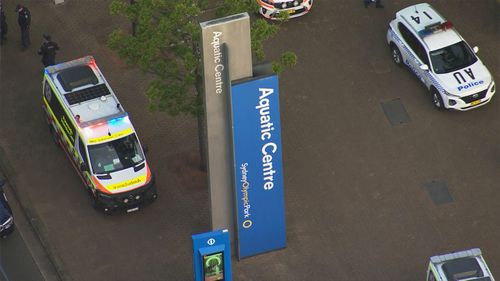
x=233 y=32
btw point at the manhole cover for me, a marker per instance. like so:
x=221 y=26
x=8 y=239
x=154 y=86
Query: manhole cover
x=438 y=191
x=395 y=112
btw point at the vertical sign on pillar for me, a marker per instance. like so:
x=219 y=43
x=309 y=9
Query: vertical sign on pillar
x=234 y=32
x=259 y=194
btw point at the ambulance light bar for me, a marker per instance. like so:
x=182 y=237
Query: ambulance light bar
x=111 y=120
x=89 y=60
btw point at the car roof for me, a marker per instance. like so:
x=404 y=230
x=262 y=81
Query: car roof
x=421 y=16
x=468 y=264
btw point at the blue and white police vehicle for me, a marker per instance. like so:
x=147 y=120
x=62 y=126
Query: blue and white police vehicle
x=468 y=265
x=420 y=38
x=271 y=9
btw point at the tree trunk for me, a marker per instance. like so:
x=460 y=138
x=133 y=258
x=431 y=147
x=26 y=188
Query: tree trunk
x=134 y=21
x=202 y=125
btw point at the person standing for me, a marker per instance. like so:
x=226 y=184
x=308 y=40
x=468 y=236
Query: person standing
x=48 y=51
x=24 y=21
x=3 y=25
x=378 y=3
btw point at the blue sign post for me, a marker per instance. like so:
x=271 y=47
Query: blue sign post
x=258 y=166
x=212 y=256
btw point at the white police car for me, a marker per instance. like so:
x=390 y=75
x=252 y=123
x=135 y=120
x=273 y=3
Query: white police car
x=272 y=8
x=422 y=39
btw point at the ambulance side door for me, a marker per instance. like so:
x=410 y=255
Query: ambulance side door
x=83 y=162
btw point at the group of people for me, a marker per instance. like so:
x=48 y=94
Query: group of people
x=378 y=3
x=48 y=48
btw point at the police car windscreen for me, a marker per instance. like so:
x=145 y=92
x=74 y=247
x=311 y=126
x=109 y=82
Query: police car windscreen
x=464 y=268
x=76 y=76
x=451 y=58
x=115 y=155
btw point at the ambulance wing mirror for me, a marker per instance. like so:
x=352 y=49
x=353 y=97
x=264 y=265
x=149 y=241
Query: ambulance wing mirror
x=424 y=67
x=84 y=167
x=145 y=148
x=475 y=49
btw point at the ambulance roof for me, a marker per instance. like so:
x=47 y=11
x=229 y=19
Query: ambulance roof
x=85 y=92
x=421 y=17
x=467 y=265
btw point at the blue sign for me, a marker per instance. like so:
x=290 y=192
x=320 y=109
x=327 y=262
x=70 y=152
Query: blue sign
x=260 y=207
x=212 y=256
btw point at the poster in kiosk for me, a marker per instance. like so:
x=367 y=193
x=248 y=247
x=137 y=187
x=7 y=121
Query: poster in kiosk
x=212 y=256
x=259 y=194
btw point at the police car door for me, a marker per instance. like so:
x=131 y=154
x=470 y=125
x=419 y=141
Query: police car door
x=413 y=53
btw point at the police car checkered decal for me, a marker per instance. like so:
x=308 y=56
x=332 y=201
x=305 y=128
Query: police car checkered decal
x=401 y=43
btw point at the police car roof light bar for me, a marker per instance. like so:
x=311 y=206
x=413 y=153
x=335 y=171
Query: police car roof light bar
x=435 y=27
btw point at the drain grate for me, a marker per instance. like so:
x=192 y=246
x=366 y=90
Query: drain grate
x=395 y=112
x=438 y=191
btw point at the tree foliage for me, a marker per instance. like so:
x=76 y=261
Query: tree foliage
x=165 y=43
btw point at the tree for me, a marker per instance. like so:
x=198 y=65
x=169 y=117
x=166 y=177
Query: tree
x=165 y=42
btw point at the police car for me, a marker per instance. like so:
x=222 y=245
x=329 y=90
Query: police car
x=89 y=123
x=464 y=265
x=420 y=38
x=272 y=8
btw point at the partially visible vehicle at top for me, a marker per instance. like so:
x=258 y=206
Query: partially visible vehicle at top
x=6 y=217
x=468 y=265
x=88 y=122
x=422 y=39
x=272 y=8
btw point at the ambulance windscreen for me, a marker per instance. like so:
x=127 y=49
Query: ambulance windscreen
x=76 y=76
x=116 y=155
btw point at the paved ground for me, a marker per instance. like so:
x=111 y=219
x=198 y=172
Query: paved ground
x=22 y=256
x=355 y=202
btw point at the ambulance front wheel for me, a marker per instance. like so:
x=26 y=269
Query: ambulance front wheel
x=93 y=199
x=396 y=55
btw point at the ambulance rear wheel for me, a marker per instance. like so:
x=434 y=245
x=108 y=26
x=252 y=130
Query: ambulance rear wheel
x=396 y=55
x=55 y=137
x=436 y=99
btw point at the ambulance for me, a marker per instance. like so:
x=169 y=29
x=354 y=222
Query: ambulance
x=468 y=265
x=88 y=122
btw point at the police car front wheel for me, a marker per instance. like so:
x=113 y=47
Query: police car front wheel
x=436 y=99
x=396 y=55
